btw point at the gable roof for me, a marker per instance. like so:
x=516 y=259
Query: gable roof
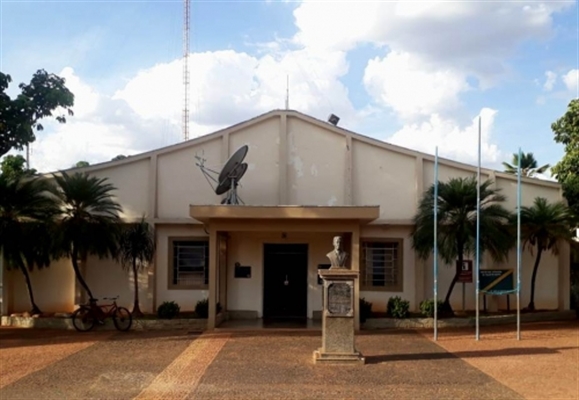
x=320 y=123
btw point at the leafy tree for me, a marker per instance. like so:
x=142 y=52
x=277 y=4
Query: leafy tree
x=81 y=164
x=119 y=157
x=136 y=250
x=89 y=219
x=20 y=117
x=13 y=166
x=457 y=204
x=529 y=166
x=544 y=226
x=566 y=130
x=26 y=209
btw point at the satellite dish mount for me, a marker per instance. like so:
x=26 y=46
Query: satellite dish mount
x=229 y=177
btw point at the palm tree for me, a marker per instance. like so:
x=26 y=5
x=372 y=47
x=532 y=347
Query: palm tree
x=89 y=220
x=543 y=226
x=26 y=211
x=136 y=250
x=457 y=204
x=528 y=165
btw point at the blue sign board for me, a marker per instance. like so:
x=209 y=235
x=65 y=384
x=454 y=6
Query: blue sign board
x=496 y=280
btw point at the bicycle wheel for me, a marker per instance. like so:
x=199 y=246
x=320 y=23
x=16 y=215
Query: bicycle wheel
x=83 y=319
x=123 y=319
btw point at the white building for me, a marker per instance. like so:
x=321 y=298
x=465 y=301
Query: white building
x=307 y=180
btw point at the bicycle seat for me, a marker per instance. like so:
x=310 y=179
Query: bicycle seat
x=110 y=298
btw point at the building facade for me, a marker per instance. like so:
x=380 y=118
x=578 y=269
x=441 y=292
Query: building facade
x=306 y=182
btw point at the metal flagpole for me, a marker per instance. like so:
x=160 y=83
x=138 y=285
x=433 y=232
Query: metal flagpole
x=519 y=247
x=436 y=244
x=477 y=335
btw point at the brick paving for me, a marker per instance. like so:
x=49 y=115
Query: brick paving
x=276 y=364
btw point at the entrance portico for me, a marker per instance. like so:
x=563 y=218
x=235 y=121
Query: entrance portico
x=274 y=224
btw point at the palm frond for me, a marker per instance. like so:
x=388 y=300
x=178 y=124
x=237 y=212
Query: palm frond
x=137 y=244
x=89 y=216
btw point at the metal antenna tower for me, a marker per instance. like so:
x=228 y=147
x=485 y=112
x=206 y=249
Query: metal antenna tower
x=185 y=121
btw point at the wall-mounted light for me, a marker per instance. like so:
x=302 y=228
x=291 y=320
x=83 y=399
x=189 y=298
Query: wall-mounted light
x=333 y=119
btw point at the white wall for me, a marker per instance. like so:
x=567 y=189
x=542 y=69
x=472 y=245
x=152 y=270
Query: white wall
x=181 y=182
x=186 y=298
x=384 y=178
x=379 y=299
x=316 y=165
x=260 y=185
x=247 y=248
x=132 y=186
x=546 y=286
x=53 y=288
x=106 y=278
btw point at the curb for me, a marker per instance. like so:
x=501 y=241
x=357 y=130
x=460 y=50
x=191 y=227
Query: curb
x=421 y=323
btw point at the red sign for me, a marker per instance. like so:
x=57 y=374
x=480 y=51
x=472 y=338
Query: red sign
x=465 y=271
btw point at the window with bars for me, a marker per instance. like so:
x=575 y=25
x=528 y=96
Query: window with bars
x=190 y=263
x=381 y=265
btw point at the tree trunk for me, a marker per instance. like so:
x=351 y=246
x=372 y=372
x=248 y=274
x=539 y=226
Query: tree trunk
x=446 y=307
x=136 y=309
x=35 y=309
x=78 y=274
x=534 y=276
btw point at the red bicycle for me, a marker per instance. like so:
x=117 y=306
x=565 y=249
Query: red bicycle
x=88 y=315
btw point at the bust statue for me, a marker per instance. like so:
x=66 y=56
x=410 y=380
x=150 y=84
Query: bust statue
x=337 y=256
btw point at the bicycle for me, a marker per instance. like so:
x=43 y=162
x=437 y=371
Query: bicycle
x=87 y=315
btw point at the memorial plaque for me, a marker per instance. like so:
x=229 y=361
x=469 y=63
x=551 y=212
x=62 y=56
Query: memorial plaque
x=340 y=298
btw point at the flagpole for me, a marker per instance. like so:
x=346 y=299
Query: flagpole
x=436 y=244
x=519 y=247
x=477 y=261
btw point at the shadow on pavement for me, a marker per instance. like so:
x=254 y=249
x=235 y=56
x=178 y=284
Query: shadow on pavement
x=22 y=337
x=463 y=354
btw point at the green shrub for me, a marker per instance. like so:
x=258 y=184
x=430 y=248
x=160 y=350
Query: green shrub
x=365 y=310
x=202 y=308
x=427 y=307
x=397 y=307
x=168 y=310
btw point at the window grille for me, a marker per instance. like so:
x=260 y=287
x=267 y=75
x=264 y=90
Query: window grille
x=190 y=263
x=380 y=261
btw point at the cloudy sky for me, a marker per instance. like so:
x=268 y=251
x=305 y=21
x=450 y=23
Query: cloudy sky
x=414 y=73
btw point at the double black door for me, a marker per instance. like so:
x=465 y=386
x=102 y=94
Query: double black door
x=285 y=281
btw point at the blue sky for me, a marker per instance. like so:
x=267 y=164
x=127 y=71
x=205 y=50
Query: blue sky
x=413 y=73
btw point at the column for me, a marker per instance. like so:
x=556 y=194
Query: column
x=355 y=266
x=564 y=286
x=212 y=278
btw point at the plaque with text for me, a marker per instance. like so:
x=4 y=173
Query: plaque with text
x=340 y=298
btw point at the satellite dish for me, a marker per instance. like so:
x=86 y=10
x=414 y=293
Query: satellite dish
x=235 y=175
x=228 y=179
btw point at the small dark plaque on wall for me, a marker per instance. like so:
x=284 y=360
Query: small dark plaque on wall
x=242 y=271
x=322 y=266
x=340 y=298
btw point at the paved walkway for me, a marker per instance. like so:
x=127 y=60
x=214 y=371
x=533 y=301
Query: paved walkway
x=275 y=364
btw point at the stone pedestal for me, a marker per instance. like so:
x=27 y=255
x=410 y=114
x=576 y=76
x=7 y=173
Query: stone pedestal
x=338 y=325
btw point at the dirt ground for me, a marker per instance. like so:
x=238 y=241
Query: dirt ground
x=544 y=364
x=277 y=363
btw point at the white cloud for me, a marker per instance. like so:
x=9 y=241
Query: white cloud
x=550 y=79
x=432 y=52
x=403 y=81
x=453 y=141
x=571 y=80
x=102 y=127
x=227 y=86
x=474 y=37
